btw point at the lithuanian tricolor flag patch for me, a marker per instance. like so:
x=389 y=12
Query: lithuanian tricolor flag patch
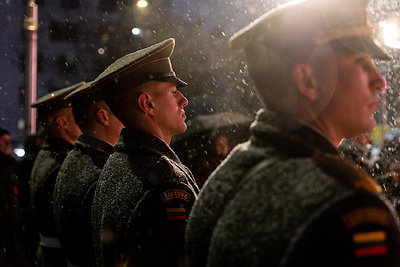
x=370 y=243
x=176 y=214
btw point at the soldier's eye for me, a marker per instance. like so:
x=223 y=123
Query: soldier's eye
x=365 y=63
x=361 y=60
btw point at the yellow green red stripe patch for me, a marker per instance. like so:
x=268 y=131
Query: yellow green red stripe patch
x=176 y=214
x=370 y=243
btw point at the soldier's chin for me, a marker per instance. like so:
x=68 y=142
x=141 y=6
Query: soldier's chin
x=184 y=128
x=366 y=126
x=369 y=125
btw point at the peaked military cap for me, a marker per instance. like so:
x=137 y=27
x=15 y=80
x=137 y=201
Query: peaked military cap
x=55 y=100
x=85 y=94
x=149 y=64
x=313 y=23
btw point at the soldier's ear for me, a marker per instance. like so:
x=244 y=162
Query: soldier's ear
x=305 y=81
x=103 y=116
x=61 y=122
x=145 y=103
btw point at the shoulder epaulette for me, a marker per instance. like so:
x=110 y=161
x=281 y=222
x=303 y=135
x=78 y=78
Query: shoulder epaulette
x=346 y=171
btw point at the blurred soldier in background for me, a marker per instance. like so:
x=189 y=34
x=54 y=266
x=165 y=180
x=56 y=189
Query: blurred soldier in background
x=208 y=140
x=203 y=152
x=10 y=226
x=5 y=142
x=32 y=145
x=78 y=175
x=55 y=115
x=144 y=193
x=285 y=197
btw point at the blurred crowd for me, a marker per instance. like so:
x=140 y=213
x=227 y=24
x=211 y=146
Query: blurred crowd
x=19 y=237
x=381 y=161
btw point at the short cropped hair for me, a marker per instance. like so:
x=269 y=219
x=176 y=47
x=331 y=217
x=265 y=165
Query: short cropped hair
x=47 y=118
x=271 y=71
x=85 y=114
x=122 y=95
x=4 y=131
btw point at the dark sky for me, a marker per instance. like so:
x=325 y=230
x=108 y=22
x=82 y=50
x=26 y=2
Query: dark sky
x=11 y=78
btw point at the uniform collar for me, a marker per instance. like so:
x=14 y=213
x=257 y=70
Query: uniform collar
x=137 y=140
x=290 y=134
x=90 y=142
x=58 y=143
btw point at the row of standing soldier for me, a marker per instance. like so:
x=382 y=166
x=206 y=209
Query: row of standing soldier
x=129 y=209
x=284 y=198
x=10 y=224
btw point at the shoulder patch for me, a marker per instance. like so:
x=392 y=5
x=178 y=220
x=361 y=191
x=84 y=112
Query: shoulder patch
x=175 y=193
x=370 y=243
x=367 y=215
x=176 y=214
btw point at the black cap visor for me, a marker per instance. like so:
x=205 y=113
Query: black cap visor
x=167 y=77
x=363 y=44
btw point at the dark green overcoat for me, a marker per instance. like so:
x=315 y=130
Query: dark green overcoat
x=142 y=200
x=286 y=198
x=43 y=178
x=73 y=196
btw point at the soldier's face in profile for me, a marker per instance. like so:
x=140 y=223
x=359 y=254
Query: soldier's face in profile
x=354 y=98
x=168 y=106
x=5 y=144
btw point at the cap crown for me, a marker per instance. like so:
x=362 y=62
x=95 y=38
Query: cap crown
x=151 y=63
x=86 y=94
x=312 y=23
x=55 y=100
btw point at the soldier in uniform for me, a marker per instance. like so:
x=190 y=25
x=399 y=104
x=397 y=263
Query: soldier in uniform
x=55 y=114
x=144 y=193
x=10 y=222
x=76 y=180
x=30 y=238
x=285 y=197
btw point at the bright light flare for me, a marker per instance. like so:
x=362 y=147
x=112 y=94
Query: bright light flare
x=142 y=3
x=20 y=152
x=390 y=33
x=136 y=31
